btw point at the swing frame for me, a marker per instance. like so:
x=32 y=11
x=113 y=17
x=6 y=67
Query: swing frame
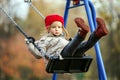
x=91 y=14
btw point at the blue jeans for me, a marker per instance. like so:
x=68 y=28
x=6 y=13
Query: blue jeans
x=77 y=47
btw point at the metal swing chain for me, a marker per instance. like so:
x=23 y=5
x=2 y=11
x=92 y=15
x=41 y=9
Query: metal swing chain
x=34 y=8
x=19 y=28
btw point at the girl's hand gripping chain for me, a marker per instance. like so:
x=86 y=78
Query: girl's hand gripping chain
x=32 y=47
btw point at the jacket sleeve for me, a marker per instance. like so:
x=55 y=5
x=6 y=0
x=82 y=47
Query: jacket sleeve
x=34 y=51
x=41 y=44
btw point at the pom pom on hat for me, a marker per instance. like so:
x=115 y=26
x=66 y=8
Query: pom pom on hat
x=51 y=18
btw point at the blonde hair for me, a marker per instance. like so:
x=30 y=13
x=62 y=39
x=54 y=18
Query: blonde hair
x=67 y=36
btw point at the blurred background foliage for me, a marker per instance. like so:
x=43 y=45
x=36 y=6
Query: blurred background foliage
x=16 y=62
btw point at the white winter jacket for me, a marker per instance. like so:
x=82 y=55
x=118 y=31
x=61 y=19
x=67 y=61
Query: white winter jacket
x=50 y=45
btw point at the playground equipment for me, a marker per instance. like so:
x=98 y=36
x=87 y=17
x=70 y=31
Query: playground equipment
x=91 y=15
x=55 y=65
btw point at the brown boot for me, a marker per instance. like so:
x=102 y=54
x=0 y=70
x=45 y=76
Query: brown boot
x=84 y=29
x=101 y=28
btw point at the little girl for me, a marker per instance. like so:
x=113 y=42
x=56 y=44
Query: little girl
x=55 y=42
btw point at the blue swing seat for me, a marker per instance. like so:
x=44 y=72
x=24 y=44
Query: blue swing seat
x=69 y=64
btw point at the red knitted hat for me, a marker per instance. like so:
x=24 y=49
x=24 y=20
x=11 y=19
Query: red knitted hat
x=51 y=18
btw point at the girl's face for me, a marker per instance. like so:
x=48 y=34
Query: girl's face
x=56 y=28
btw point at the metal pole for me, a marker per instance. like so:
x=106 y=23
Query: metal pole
x=54 y=76
x=66 y=12
x=101 y=70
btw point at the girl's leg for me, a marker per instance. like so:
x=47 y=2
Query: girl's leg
x=94 y=37
x=83 y=47
x=72 y=45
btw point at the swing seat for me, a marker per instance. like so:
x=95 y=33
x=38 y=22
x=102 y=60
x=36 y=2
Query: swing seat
x=69 y=64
